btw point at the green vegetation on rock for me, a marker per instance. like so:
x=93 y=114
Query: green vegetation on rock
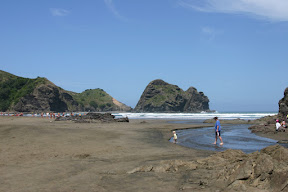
x=31 y=95
x=96 y=98
x=12 y=88
x=157 y=100
x=166 y=92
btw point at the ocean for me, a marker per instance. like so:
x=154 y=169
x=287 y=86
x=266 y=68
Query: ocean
x=180 y=116
x=197 y=116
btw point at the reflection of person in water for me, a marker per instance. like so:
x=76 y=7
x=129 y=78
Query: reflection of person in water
x=217 y=131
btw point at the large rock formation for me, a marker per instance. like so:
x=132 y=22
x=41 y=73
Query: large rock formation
x=283 y=104
x=46 y=97
x=160 y=96
x=40 y=95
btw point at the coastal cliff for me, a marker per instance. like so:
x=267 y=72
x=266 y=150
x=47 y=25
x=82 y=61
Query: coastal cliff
x=283 y=104
x=160 y=96
x=41 y=95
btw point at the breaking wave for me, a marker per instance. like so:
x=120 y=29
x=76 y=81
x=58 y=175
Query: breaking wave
x=196 y=116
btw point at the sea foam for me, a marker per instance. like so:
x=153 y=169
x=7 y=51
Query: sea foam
x=196 y=116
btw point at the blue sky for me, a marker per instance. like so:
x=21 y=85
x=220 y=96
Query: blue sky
x=235 y=51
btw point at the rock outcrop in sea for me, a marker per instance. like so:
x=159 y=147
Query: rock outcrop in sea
x=160 y=96
x=283 y=104
x=41 y=95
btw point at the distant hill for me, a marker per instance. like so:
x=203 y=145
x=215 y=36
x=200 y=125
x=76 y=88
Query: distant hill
x=160 y=96
x=98 y=100
x=41 y=95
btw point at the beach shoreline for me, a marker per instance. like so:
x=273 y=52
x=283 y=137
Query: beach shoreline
x=39 y=154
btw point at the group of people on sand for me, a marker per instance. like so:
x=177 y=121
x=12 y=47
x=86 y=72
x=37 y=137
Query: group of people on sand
x=50 y=115
x=13 y=114
x=217 y=133
x=281 y=127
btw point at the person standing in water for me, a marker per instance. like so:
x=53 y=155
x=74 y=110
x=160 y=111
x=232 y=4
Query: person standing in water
x=217 y=131
x=174 y=137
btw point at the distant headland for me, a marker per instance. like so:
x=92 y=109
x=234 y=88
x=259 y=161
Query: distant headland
x=160 y=96
x=21 y=94
x=41 y=95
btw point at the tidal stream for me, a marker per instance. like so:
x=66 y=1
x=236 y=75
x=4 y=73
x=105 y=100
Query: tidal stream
x=234 y=137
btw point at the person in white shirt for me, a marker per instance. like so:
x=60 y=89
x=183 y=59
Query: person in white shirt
x=175 y=137
x=279 y=127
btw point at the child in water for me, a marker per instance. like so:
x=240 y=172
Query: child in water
x=174 y=137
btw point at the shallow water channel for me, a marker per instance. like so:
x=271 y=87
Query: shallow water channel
x=234 y=137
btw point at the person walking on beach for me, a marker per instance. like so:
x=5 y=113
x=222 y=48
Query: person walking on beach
x=217 y=131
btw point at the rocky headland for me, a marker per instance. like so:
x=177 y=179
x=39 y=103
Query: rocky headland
x=41 y=95
x=283 y=105
x=21 y=94
x=160 y=96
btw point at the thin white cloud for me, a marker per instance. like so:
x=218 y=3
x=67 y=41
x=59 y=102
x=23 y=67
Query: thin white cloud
x=274 y=10
x=59 y=12
x=210 y=32
x=112 y=8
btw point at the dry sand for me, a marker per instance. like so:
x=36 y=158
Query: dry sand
x=37 y=154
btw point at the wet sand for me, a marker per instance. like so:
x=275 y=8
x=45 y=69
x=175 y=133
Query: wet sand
x=37 y=154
